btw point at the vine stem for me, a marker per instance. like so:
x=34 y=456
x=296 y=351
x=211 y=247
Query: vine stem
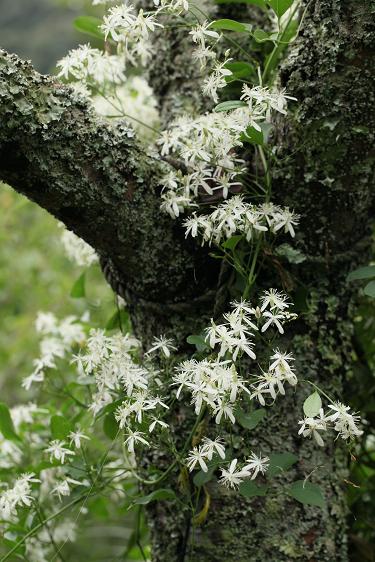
x=251 y=277
x=276 y=46
x=171 y=467
x=316 y=388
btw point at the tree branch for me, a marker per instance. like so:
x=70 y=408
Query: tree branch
x=95 y=178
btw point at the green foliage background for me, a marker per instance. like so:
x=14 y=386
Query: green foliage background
x=35 y=275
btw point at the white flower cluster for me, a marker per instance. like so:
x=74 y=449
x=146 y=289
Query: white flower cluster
x=131 y=31
x=172 y=6
x=207 y=146
x=217 y=79
x=132 y=411
x=235 y=216
x=216 y=383
x=18 y=496
x=58 y=339
x=341 y=421
x=92 y=67
x=271 y=383
x=77 y=249
x=262 y=101
x=110 y=360
x=58 y=451
x=205 y=452
x=233 y=476
x=200 y=34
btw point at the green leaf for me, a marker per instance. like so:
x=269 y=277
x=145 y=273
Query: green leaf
x=90 y=26
x=250 y=421
x=6 y=424
x=110 y=426
x=78 y=289
x=249 y=489
x=162 y=494
x=279 y=462
x=60 y=427
x=261 y=36
x=231 y=25
x=228 y=105
x=312 y=405
x=292 y=255
x=241 y=69
x=201 y=477
x=280 y=6
x=253 y=136
x=369 y=290
x=198 y=341
x=232 y=242
x=307 y=493
x=120 y=320
x=362 y=273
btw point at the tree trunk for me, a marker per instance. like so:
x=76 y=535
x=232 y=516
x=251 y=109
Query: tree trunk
x=108 y=194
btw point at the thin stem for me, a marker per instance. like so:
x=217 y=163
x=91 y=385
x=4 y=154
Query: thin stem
x=276 y=47
x=316 y=388
x=171 y=467
x=251 y=277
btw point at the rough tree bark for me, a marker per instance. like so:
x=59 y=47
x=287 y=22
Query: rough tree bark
x=99 y=182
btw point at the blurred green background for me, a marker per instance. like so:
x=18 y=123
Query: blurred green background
x=35 y=275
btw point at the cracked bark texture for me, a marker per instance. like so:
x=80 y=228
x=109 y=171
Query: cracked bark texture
x=103 y=186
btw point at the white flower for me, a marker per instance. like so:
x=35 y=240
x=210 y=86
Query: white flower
x=273 y=318
x=201 y=32
x=78 y=250
x=76 y=438
x=156 y=422
x=133 y=438
x=224 y=408
x=232 y=478
x=197 y=456
x=310 y=427
x=63 y=488
x=92 y=67
x=173 y=6
x=163 y=343
x=345 y=423
x=46 y=323
x=256 y=465
x=281 y=361
x=216 y=80
x=58 y=451
x=286 y=219
x=210 y=447
x=274 y=299
x=175 y=204
x=19 y=495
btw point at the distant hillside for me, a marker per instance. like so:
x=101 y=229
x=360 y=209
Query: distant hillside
x=38 y=30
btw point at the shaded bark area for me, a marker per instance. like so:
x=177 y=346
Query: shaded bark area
x=101 y=184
